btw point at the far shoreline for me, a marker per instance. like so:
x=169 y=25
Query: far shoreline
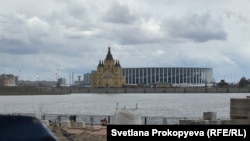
x=74 y=90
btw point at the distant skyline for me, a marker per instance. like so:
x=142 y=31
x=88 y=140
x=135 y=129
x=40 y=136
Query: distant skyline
x=55 y=38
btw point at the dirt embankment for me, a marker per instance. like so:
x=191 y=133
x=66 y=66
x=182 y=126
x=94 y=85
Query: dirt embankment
x=89 y=133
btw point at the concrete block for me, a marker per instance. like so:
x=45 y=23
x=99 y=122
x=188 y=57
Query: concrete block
x=184 y=122
x=193 y=122
x=226 y=122
x=78 y=124
x=199 y=122
x=209 y=116
x=214 y=122
x=205 y=122
x=65 y=124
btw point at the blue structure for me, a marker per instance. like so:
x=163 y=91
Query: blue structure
x=24 y=128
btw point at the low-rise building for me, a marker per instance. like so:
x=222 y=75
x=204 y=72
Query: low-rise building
x=8 y=80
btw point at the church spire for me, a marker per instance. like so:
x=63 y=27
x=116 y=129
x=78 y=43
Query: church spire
x=109 y=55
x=119 y=64
x=100 y=64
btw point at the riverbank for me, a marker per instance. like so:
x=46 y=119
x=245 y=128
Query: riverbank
x=69 y=90
x=89 y=133
x=31 y=90
x=163 y=90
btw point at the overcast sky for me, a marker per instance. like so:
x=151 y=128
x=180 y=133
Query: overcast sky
x=49 y=36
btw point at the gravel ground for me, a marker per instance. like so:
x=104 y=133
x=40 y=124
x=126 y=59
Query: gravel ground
x=89 y=133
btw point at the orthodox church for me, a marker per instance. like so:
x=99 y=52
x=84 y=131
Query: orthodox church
x=108 y=74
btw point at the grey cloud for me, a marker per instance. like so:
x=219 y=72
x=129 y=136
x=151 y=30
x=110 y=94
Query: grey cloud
x=16 y=47
x=73 y=17
x=18 y=27
x=238 y=18
x=119 y=14
x=198 y=28
x=11 y=23
x=18 y=37
x=77 y=10
x=130 y=35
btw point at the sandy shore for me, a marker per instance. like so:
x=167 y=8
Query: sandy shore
x=88 y=133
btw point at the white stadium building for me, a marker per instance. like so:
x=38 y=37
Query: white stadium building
x=176 y=76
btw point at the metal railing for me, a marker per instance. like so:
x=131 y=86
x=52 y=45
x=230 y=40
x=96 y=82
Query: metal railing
x=95 y=119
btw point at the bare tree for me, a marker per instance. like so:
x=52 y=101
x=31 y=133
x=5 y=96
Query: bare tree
x=243 y=82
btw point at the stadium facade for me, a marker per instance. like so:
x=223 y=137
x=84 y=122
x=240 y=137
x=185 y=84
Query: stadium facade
x=177 y=76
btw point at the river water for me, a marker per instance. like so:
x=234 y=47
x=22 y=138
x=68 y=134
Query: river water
x=167 y=105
